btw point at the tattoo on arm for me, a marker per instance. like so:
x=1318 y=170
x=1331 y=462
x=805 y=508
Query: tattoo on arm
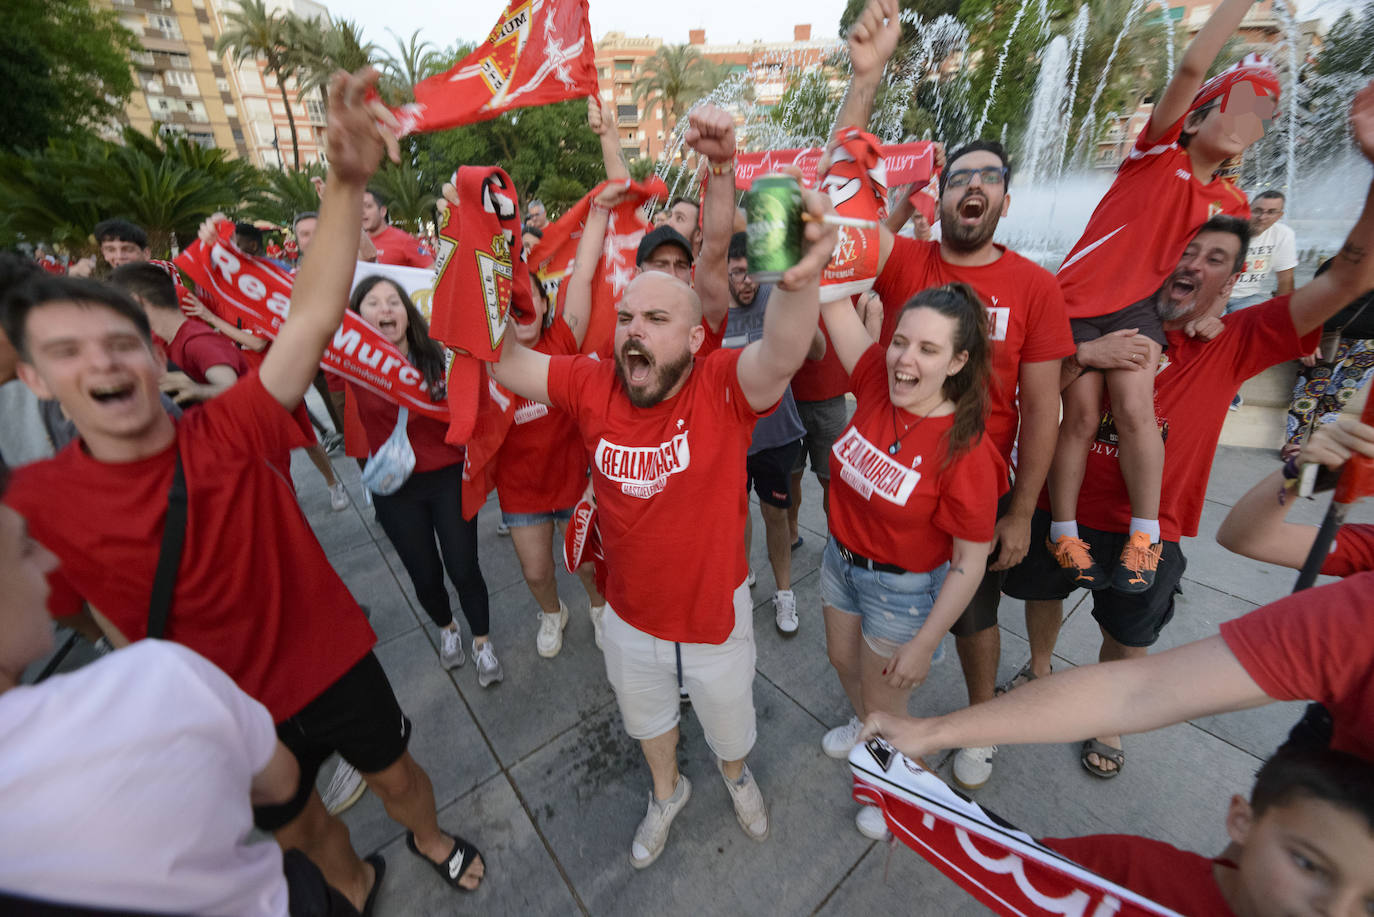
x=1352 y=253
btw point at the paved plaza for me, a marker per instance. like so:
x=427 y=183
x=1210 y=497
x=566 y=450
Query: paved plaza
x=540 y=773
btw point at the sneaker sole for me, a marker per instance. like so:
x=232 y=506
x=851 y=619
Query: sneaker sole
x=641 y=864
x=346 y=804
x=745 y=828
x=785 y=632
x=558 y=647
x=970 y=786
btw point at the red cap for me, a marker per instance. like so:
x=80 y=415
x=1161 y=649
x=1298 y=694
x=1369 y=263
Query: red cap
x=1252 y=68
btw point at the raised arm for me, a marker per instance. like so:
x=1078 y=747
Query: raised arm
x=357 y=140
x=872 y=39
x=848 y=336
x=767 y=365
x=1193 y=65
x=577 y=303
x=601 y=118
x=711 y=132
x=1109 y=698
x=1351 y=273
x=1255 y=527
x=523 y=371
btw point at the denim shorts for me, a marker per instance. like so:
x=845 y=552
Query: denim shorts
x=893 y=606
x=519 y=520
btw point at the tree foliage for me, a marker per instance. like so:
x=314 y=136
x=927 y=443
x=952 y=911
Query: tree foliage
x=65 y=66
x=166 y=185
x=253 y=31
x=674 y=77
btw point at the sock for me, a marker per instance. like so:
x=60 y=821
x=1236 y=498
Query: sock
x=1149 y=526
x=1060 y=529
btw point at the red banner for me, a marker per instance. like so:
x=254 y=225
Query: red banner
x=539 y=52
x=553 y=257
x=905 y=162
x=1004 y=868
x=243 y=289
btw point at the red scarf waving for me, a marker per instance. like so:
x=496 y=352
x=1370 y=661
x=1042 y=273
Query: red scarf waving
x=553 y=257
x=255 y=293
x=857 y=184
x=481 y=278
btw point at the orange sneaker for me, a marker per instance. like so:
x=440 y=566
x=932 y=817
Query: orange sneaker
x=1072 y=554
x=1139 y=560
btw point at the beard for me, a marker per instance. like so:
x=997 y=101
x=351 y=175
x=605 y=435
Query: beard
x=963 y=238
x=660 y=382
x=744 y=294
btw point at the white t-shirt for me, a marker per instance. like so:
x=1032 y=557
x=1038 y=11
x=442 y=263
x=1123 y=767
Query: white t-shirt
x=1274 y=250
x=125 y=785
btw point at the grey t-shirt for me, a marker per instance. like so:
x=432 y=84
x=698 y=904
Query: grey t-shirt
x=743 y=325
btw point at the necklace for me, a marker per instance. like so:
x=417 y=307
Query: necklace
x=897 y=440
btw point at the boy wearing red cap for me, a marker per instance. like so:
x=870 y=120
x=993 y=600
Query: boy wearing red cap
x=1164 y=191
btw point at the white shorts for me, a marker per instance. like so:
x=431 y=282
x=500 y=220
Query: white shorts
x=642 y=670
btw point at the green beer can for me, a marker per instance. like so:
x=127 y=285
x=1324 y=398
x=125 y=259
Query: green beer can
x=773 y=211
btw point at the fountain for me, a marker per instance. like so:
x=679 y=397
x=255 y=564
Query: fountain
x=1087 y=131
x=1048 y=117
x=1001 y=61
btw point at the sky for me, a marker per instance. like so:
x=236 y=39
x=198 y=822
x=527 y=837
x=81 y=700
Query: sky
x=725 y=21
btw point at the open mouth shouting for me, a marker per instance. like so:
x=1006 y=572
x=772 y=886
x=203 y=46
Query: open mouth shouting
x=904 y=383
x=387 y=327
x=112 y=394
x=638 y=363
x=972 y=208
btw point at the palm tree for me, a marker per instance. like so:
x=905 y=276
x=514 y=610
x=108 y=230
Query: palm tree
x=252 y=32
x=414 y=61
x=674 y=77
x=324 y=48
x=410 y=198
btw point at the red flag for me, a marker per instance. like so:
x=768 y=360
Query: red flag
x=539 y=52
x=905 y=162
x=553 y=257
x=254 y=291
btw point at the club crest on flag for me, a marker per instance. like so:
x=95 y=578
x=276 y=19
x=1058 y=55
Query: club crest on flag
x=495 y=270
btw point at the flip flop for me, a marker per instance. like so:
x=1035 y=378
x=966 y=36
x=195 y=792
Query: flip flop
x=455 y=865
x=1016 y=681
x=798 y=543
x=379 y=867
x=1093 y=747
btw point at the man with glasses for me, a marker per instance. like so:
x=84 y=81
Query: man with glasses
x=1273 y=250
x=1030 y=328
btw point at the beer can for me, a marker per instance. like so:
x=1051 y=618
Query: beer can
x=773 y=211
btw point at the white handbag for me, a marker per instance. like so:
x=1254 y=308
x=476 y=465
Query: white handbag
x=390 y=466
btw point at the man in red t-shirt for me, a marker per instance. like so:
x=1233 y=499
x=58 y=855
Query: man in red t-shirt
x=206 y=362
x=394 y=245
x=1030 y=334
x=253 y=592
x=667 y=432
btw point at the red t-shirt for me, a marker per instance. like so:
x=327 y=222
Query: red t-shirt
x=1025 y=311
x=1352 y=552
x=1179 y=880
x=1193 y=390
x=255 y=593
x=196 y=347
x=1316 y=645
x=906 y=509
x=818 y=380
x=1141 y=226
x=426 y=434
x=670 y=493
x=396 y=246
x=542 y=466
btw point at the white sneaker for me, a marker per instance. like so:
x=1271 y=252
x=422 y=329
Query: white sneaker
x=550 y=639
x=338 y=497
x=838 y=742
x=652 y=832
x=489 y=668
x=973 y=766
x=785 y=611
x=503 y=530
x=345 y=788
x=751 y=579
x=598 y=616
x=872 y=824
x=451 y=648
x=750 y=810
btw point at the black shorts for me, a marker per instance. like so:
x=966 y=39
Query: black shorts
x=1131 y=620
x=981 y=612
x=1143 y=316
x=358 y=717
x=769 y=472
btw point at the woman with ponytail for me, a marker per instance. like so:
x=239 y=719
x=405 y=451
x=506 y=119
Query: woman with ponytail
x=913 y=500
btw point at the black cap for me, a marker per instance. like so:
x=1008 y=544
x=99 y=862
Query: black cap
x=664 y=235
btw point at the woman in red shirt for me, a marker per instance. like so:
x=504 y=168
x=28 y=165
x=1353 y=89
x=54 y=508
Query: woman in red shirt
x=913 y=500
x=428 y=506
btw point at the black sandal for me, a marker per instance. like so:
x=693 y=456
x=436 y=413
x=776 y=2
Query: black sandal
x=379 y=870
x=1104 y=751
x=455 y=865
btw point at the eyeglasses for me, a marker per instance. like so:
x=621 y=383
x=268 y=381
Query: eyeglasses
x=988 y=175
x=738 y=273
